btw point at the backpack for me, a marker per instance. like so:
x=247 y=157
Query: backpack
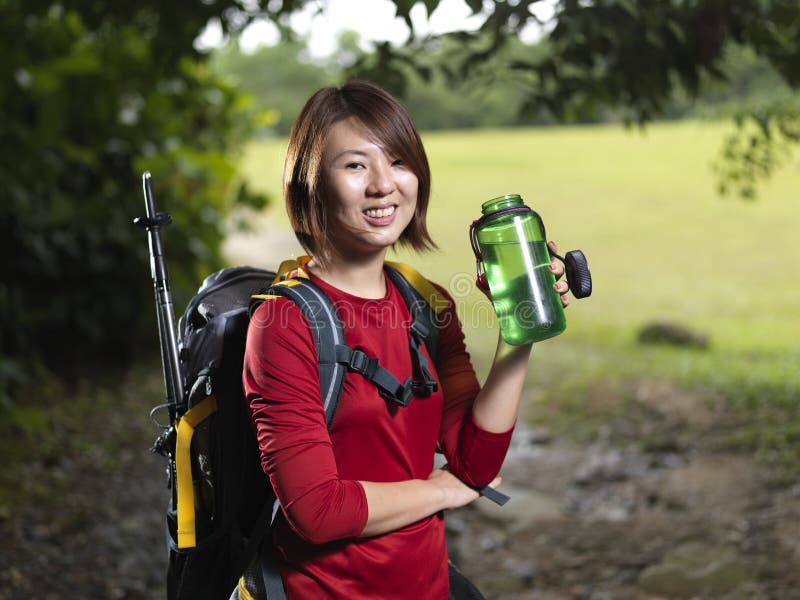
x=221 y=504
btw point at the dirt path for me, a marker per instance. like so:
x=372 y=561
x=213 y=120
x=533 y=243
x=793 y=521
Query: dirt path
x=609 y=521
x=602 y=520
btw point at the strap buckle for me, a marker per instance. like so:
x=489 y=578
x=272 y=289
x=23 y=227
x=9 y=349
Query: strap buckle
x=402 y=396
x=363 y=365
x=423 y=389
x=419 y=330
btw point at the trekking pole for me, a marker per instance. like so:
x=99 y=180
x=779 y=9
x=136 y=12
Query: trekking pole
x=152 y=223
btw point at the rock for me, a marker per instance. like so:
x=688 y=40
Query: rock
x=609 y=464
x=697 y=568
x=601 y=505
x=723 y=486
x=670 y=333
x=520 y=569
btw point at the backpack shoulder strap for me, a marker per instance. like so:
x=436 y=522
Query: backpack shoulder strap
x=292 y=268
x=326 y=327
x=424 y=327
x=424 y=288
x=424 y=301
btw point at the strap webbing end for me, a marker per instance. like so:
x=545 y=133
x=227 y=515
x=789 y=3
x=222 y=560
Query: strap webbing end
x=495 y=496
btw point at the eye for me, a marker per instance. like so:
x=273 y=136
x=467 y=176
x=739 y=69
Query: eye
x=398 y=162
x=354 y=165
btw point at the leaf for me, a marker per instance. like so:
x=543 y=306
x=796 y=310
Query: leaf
x=430 y=6
x=629 y=7
x=677 y=31
x=403 y=8
x=475 y=6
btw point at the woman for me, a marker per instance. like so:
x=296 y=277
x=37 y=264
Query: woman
x=362 y=505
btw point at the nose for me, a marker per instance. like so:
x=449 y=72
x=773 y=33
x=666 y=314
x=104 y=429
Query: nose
x=381 y=182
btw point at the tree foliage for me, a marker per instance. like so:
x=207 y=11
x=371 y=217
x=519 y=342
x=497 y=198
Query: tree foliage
x=628 y=55
x=93 y=94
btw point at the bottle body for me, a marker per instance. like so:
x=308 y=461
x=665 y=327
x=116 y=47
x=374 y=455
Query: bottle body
x=516 y=262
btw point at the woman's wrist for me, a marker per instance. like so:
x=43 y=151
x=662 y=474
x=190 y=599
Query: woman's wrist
x=495 y=408
x=506 y=351
x=439 y=496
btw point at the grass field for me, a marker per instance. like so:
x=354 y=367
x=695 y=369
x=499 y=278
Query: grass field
x=662 y=245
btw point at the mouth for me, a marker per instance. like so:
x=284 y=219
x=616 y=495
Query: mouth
x=381 y=216
x=378 y=213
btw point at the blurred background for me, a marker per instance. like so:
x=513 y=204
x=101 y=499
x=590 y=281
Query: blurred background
x=658 y=451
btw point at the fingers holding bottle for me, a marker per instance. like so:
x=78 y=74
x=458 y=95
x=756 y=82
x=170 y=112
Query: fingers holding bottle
x=557 y=269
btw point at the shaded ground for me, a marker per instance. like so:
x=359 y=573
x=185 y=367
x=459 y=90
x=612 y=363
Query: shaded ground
x=652 y=506
x=90 y=525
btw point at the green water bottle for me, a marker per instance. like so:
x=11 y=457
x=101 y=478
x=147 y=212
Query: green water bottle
x=513 y=260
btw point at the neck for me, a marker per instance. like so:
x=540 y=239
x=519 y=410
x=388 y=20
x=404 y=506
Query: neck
x=360 y=276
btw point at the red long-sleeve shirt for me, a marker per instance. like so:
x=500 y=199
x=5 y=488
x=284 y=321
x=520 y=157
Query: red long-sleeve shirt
x=315 y=473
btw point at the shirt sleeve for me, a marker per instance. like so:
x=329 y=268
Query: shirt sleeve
x=473 y=454
x=281 y=385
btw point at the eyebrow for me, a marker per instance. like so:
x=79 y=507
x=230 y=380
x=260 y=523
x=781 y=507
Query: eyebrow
x=344 y=152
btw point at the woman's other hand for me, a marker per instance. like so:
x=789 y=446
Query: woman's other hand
x=456 y=493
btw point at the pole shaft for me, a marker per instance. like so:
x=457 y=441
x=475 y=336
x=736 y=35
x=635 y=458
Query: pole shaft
x=167 y=331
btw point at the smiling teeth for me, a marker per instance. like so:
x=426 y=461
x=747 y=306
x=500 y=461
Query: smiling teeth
x=379 y=212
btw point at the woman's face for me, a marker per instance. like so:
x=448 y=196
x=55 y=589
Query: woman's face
x=370 y=195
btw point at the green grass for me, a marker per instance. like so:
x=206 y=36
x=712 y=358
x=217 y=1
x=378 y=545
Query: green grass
x=662 y=245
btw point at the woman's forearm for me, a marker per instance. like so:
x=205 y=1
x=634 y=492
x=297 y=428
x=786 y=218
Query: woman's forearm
x=497 y=404
x=397 y=504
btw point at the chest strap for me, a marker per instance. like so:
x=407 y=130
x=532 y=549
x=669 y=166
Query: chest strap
x=389 y=387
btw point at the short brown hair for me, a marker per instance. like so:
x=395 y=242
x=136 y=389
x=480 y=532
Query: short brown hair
x=387 y=120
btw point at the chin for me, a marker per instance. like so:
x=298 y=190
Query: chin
x=382 y=243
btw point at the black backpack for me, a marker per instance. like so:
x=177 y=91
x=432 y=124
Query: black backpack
x=222 y=504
